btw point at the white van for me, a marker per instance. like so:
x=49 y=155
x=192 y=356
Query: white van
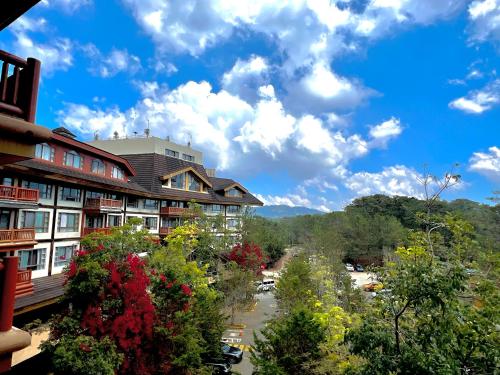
x=266 y=285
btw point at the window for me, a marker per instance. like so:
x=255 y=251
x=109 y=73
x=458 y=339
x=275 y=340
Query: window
x=176 y=204
x=232 y=223
x=188 y=157
x=151 y=204
x=32 y=259
x=4 y=219
x=178 y=181
x=35 y=219
x=94 y=194
x=172 y=153
x=44 y=189
x=216 y=208
x=133 y=202
x=73 y=159
x=70 y=194
x=63 y=255
x=233 y=193
x=150 y=222
x=68 y=222
x=94 y=221
x=7 y=181
x=117 y=172
x=97 y=166
x=44 y=151
x=114 y=221
x=233 y=209
x=194 y=183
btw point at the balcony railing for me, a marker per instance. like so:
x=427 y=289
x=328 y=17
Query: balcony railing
x=173 y=211
x=17 y=235
x=87 y=231
x=18 y=194
x=24 y=286
x=166 y=230
x=19 y=86
x=102 y=203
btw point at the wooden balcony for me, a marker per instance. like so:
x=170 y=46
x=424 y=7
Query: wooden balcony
x=19 y=81
x=87 y=231
x=16 y=235
x=173 y=211
x=15 y=193
x=165 y=231
x=24 y=286
x=103 y=204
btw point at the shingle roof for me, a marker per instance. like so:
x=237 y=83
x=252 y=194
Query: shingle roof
x=48 y=169
x=151 y=167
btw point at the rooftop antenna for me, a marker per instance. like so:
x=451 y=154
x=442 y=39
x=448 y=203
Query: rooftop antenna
x=115 y=135
x=146 y=131
x=96 y=135
x=168 y=138
x=190 y=139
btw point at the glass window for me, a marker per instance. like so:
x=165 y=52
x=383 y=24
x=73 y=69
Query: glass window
x=194 y=183
x=232 y=223
x=44 y=151
x=73 y=159
x=4 y=219
x=114 y=220
x=132 y=202
x=70 y=194
x=97 y=166
x=233 y=209
x=7 y=181
x=150 y=203
x=150 y=222
x=94 y=194
x=233 y=193
x=172 y=153
x=217 y=208
x=94 y=221
x=44 y=189
x=35 y=219
x=63 y=255
x=178 y=181
x=117 y=172
x=188 y=157
x=68 y=222
x=32 y=259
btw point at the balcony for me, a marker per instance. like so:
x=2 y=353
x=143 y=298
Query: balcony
x=19 y=86
x=105 y=230
x=99 y=204
x=14 y=193
x=165 y=231
x=173 y=211
x=15 y=238
x=24 y=286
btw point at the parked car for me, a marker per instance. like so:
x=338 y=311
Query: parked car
x=231 y=353
x=349 y=267
x=220 y=367
x=359 y=268
x=266 y=285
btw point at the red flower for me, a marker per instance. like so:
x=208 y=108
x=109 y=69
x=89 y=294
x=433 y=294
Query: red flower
x=85 y=348
x=186 y=290
x=170 y=285
x=100 y=247
x=185 y=307
x=170 y=324
x=72 y=270
x=163 y=278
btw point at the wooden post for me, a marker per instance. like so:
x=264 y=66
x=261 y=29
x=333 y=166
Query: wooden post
x=32 y=88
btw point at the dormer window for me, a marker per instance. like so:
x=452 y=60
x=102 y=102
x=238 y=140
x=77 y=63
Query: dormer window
x=97 y=166
x=178 y=181
x=234 y=192
x=194 y=183
x=188 y=157
x=73 y=159
x=44 y=151
x=117 y=172
x=188 y=179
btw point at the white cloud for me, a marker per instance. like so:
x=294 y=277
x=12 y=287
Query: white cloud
x=486 y=163
x=166 y=68
x=394 y=180
x=68 y=6
x=385 y=131
x=479 y=101
x=109 y=65
x=484 y=16
x=246 y=77
x=292 y=200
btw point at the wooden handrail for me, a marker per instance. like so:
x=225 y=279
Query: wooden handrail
x=19 y=86
x=87 y=231
x=19 y=193
x=172 y=210
x=102 y=203
x=17 y=235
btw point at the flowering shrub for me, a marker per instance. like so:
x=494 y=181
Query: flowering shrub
x=249 y=256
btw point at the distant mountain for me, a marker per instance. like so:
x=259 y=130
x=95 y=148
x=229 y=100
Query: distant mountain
x=278 y=211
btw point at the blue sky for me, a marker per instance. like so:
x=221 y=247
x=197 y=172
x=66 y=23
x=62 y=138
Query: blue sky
x=306 y=102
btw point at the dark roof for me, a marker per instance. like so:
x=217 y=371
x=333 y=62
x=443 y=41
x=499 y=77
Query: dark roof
x=64 y=132
x=57 y=172
x=151 y=167
x=44 y=288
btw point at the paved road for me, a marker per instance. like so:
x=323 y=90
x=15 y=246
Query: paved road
x=254 y=321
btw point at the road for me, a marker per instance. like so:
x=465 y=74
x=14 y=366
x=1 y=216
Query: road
x=253 y=320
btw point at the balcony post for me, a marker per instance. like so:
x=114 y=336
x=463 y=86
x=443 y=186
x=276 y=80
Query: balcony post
x=32 y=88
x=8 y=289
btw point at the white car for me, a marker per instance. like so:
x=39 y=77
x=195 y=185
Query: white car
x=349 y=267
x=266 y=285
